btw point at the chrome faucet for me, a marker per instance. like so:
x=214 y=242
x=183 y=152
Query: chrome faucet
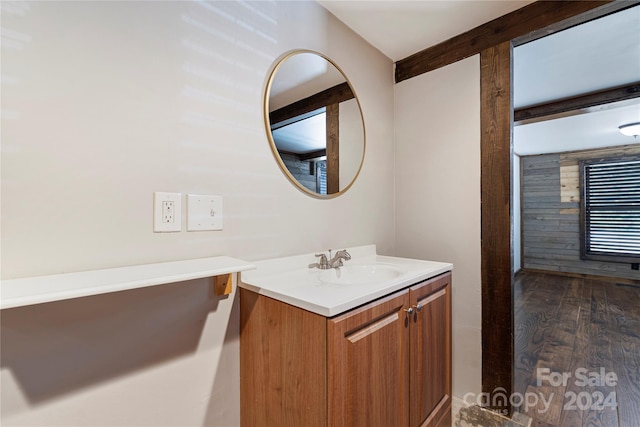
x=332 y=262
x=336 y=261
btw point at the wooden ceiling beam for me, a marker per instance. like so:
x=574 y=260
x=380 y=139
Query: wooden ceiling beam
x=576 y=104
x=525 y=24
x=333 y=95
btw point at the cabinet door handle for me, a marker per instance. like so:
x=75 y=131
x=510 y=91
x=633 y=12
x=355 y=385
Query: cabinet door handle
x=418 y=307
x=409 y=311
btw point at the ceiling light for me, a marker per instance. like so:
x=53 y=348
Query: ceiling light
x=632 y=129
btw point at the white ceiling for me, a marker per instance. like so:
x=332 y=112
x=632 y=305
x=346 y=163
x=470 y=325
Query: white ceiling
x=597 y=55
x=580 y=132
x=401 y=28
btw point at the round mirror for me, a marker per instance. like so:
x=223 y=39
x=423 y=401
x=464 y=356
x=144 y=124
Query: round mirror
x=314 y=124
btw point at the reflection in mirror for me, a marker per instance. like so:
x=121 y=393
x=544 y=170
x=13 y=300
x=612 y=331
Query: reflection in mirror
x=314 y=124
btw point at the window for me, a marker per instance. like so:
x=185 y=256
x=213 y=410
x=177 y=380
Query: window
x=610 y=210
x=321 y=177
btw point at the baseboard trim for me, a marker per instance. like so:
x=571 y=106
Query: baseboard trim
x=581 y=276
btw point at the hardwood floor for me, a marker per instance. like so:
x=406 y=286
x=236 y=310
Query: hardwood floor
x=577 y=351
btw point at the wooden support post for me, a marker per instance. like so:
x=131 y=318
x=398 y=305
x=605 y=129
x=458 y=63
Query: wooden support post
x=496 y=156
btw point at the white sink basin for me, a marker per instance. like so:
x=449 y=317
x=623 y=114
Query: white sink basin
x=366 y=277
x=360 y=274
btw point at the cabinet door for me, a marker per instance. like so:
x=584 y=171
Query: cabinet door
x=430 y=350
x=282 y=364
x=368 y=355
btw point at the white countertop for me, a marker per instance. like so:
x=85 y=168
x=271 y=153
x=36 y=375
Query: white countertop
x=290 y=280
x=41 y=289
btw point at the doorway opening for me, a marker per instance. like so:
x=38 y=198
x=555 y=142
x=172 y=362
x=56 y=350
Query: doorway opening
x=575 y=319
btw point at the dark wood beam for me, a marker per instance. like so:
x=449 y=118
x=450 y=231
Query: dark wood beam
x=312 y=155
x=531 y=21
x=333 y=148
x=495 y=186
x=581 y=18
x=577 y=103
x=333 y=95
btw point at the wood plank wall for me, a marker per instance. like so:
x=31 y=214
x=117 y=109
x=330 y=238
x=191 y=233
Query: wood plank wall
x=301 y=170
x=551 y=212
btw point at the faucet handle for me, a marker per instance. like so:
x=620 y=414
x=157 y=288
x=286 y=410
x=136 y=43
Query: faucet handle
x=323 y=260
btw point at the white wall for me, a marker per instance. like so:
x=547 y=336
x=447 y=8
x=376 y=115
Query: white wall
x=104 y=103
x=437 y=119
x=517 y=223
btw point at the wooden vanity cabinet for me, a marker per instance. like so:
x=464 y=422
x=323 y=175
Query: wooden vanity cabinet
x=377 y=365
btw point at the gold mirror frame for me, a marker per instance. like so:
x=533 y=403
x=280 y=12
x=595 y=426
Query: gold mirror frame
x=268 y=125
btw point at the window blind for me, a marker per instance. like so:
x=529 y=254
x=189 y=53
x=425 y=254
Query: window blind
x=611 y=206
x=321 y=177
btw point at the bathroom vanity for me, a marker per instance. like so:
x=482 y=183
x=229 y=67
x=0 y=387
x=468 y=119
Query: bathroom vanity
x=367 y=344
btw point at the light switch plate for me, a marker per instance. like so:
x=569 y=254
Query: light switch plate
x=167 y=212
x=204 y=212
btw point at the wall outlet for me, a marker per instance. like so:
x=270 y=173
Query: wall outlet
x=204 y=212
x=167 y=212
